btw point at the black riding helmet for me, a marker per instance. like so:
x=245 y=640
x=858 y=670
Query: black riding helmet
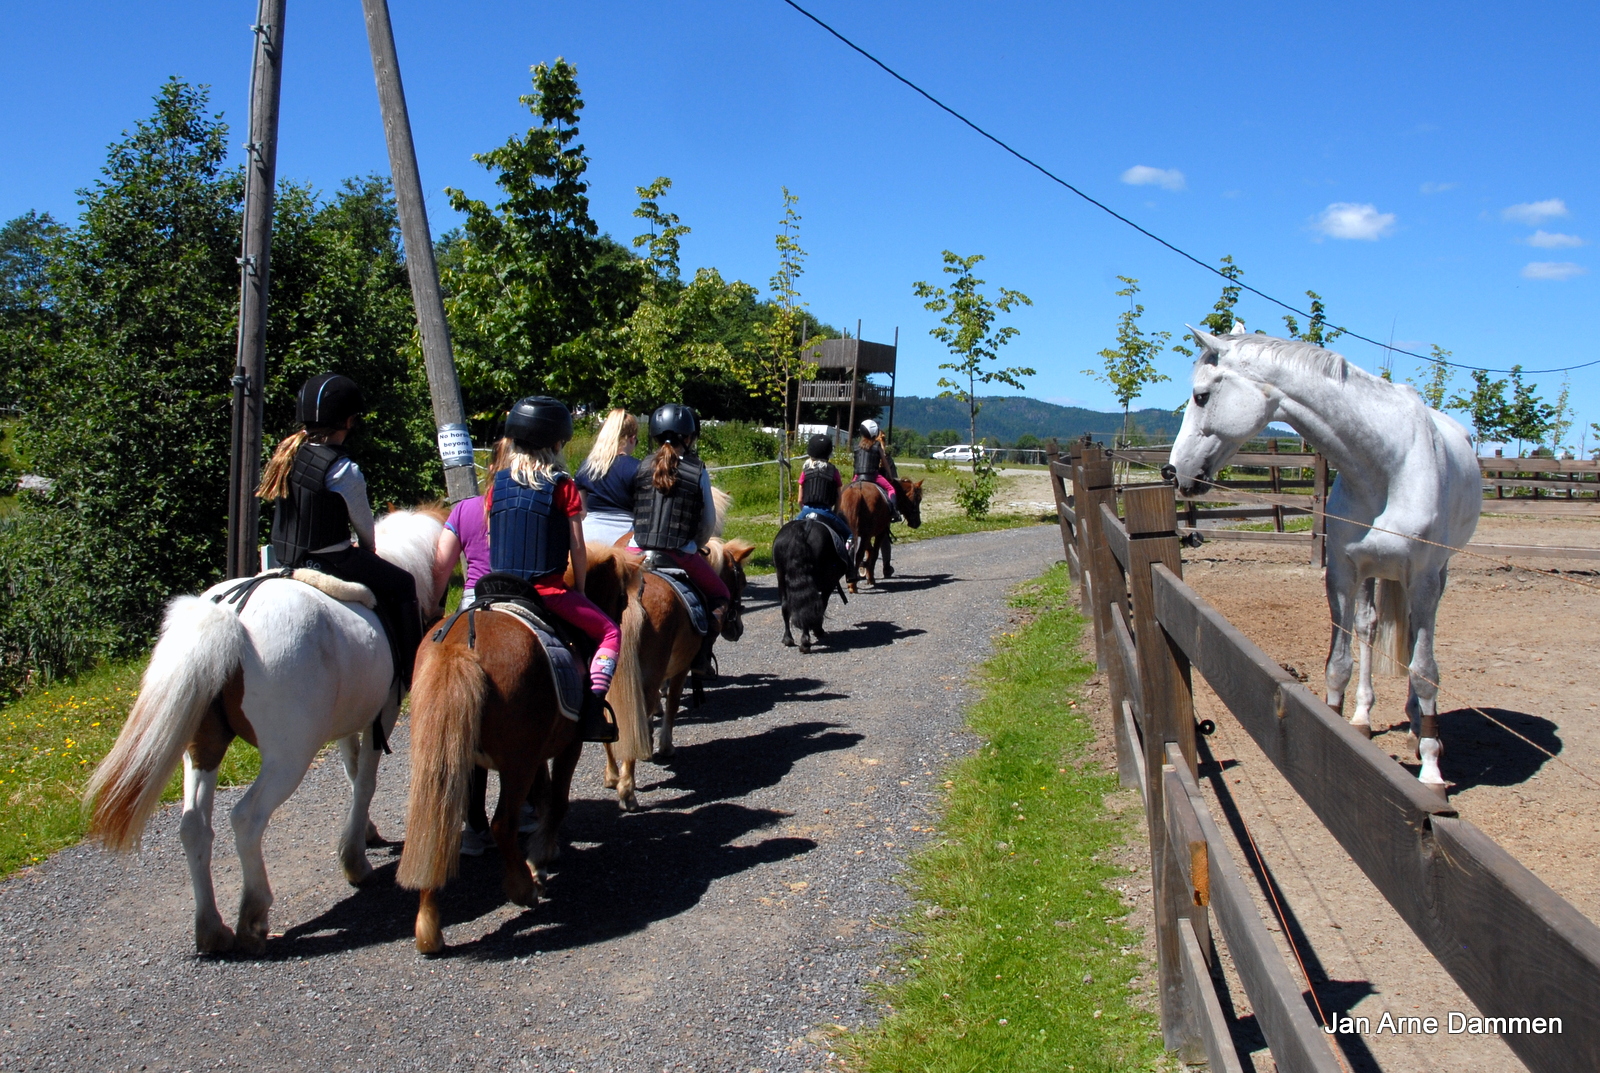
x=328 y=400
x=820 y=447
x=539 y=421
x=674 y=423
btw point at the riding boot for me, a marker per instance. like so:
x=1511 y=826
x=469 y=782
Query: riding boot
x=407 y=637
x=596 y=720
x=704 y=664
x=894 y=509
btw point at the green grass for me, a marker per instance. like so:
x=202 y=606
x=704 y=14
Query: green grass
x=1019 y=959
x=1298 y=524
x=51 y=739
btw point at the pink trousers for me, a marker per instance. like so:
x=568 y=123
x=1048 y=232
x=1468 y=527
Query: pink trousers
x=705 y=579
x=888 y=489
x=585 y=614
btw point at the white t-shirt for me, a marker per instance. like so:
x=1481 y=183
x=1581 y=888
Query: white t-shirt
x=344 y=477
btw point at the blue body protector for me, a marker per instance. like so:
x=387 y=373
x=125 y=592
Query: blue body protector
x=527 y=535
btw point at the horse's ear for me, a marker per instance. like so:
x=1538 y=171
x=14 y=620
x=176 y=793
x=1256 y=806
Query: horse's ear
x=1210 y=345
x=738 y=550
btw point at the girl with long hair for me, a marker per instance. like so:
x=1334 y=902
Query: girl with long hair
x=606 y=479
x=873 y=463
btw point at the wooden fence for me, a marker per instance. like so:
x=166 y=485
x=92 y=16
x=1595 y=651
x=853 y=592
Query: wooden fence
x=1516 y=948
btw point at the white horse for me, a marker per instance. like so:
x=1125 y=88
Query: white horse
x=1407 y=496
x=294 y=669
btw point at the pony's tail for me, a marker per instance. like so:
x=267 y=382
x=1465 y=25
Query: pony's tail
x=627 y=695
x=721 y=501
x=1392 y=648
x=199 y=650
x=446 y=707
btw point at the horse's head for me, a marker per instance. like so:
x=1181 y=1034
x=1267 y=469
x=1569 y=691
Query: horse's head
x=727 y=559
x=910 y=501
x=1227 y=406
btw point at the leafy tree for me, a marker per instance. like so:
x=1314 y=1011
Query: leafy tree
x=1437 y=383
x=1130 y=367
x=1528 y=417
x=968 y=330
x=27 y=313
x=1220 y=320
x=1485 y=406
x=530 y=277
x=1318 y=332
x=1561 y=418
x=944 y=437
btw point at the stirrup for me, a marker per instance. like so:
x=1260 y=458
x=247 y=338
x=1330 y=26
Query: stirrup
x=705 y=667
x=593 y=724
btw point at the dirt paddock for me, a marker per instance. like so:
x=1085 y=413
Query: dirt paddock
x=1516 y=644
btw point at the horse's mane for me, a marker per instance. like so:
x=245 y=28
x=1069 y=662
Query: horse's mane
x=718 y=550
x=1292 y=353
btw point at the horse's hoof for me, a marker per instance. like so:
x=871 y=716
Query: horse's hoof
x=1364 y=729
x=373 y=837
x=888 y=571
x=788 y=642
x=805 y=648
x=524 y=890
x=251 y=942
x=430 y=943
x=609 y=782
x=212 y=937
x=629 y=802
x=356 y=867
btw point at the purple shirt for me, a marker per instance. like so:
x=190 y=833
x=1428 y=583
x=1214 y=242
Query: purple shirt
x=469 y=525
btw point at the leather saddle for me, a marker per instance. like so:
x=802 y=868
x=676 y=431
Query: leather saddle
x=568 y=650
x=694 y=601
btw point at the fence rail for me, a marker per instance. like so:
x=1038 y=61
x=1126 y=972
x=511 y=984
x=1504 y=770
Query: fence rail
x=1516 y=948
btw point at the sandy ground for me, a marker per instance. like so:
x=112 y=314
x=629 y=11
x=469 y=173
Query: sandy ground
x=1515 y=647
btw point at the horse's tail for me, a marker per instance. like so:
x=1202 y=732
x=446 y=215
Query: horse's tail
x=447 y=700
x=199 y=650
x=1392 y=649
x=627 y=695
x=720 y=501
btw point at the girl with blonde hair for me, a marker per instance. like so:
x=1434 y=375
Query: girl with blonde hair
x=606 y=479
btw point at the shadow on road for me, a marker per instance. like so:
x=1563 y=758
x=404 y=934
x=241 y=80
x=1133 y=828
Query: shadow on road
x=872 y=633
x=914 y=582
x=1479 y=753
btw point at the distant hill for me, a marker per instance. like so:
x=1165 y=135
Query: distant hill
x=1008 y=418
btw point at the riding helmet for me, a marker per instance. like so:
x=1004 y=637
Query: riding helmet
x=869 y=429
x=674 y=423
x=328 y=400
x=820 y=447
x=539 y=421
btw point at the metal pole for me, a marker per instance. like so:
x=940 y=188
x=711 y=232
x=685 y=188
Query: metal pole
x=255 y=252
x=455 y=443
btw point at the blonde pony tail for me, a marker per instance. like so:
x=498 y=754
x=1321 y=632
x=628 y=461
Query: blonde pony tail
x=275 y=481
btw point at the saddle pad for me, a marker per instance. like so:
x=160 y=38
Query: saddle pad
x=571 y=679
x=839 y=545
x=690 y=596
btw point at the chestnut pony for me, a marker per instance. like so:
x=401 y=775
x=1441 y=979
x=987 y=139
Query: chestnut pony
x=483 y=695
x=866 y=510
x=658 y=645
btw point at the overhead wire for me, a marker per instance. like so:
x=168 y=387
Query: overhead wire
x=1233 y=281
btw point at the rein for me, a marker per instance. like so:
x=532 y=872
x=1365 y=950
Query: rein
x=240 y=594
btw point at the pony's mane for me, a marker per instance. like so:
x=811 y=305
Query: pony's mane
x=718 y=550
x=1294 y=354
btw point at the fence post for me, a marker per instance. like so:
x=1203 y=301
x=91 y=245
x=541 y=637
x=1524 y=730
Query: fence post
x=1152 y=522
x=1105 y=576
x=1319 y=513
x=1085 y=573
x=1053 y=459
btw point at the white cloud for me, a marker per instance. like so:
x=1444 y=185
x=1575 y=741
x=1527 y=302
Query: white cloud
x=1144 y=175
x=1438 y=188
x=1346 y=219
x=1535 y=212
x=1552 y=270
x=1547 y=240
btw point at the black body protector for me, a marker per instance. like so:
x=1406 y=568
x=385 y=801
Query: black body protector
x=666 y=521
x=869 y=460
x=819 y=487
x=310 y=516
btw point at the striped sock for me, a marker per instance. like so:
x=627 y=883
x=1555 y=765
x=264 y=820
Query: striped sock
x=601 y=668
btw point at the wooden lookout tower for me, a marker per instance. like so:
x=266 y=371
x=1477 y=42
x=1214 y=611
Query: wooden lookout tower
x=842 y=368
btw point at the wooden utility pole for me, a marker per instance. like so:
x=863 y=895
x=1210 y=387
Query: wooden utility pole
x=455 y=443
x=255 y=264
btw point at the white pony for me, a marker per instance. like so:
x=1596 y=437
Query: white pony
x=1407 y=496
x=293 y=670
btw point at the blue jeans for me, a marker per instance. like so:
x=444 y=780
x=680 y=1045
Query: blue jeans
x=837 y=523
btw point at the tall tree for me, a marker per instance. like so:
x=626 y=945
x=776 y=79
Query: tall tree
x=1130 y=366
x=968 y=331
x=27 y=306
x=1318 y=332
x=1437 y=383
x=1528 y=415
x=532 y=276
x=1561 y=419
x=1485 y=406
x=1221 y=318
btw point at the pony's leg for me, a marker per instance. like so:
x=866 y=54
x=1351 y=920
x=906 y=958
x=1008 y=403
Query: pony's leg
x=1341 y=586
x=859 y=553
x=545 y=846
x=788 y=638
x=1366 y=627
x=612 y=774
x=430 y=933
x=1422 y=701
x=363 y=784
x=520 y=884
x=888 y=545
x=211 y=935
x=279 y=778
x=669 y=714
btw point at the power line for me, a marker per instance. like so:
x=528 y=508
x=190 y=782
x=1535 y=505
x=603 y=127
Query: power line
x=1053 y=177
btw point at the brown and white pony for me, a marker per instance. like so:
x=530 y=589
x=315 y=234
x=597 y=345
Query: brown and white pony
x=483 y=695
x=866 y=511
x=662 y=643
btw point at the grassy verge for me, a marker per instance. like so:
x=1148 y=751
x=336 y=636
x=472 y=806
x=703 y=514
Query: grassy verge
x=1019 y=959
x=51 y=739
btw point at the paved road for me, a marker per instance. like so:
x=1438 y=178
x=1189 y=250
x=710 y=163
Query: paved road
x=722 y=928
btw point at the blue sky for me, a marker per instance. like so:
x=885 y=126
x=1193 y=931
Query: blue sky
x=1397 y=158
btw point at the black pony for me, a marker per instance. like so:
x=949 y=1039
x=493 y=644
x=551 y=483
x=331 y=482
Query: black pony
x=809 y=569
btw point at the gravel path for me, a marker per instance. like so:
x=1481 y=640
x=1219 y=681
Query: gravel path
x=723 y=928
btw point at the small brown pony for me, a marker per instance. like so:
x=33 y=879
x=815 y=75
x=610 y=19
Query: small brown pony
x=483 y=695
x=662 y=644
x=866 y=510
